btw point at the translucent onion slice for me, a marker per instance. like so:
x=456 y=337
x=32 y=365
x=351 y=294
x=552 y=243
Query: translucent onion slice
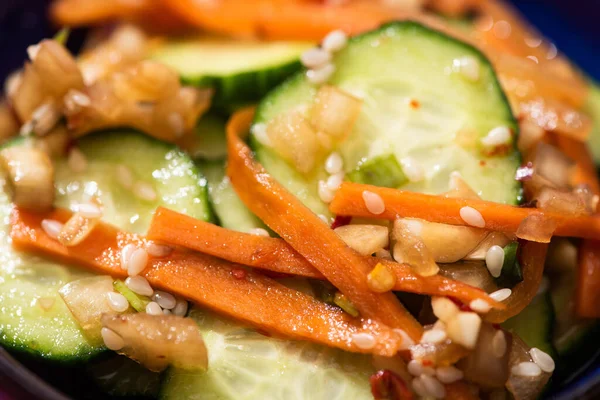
x=562 y=201
x=365 y=239
x=473 y=273
x=524 y=387
x=441 y=354
x=553 y=165
x=536 y=228
x=157 y=341
x=492 y=239
x=410 y=249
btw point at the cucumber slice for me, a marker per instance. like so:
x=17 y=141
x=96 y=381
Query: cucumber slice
x=592 y=108
x=244 y=364
x=241 y=72
x=33 y=318
x=511 y=273
x=379 y=171
x=389 y=68
x=231 y=212
x=208 y=141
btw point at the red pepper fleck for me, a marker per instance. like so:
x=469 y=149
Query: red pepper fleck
x=263 y=332
x=482 y=163
x=427 y=363
x=414 y=104
x=386 y=385
x=238 y=273
x=497 y=326
x=340 y=220
x=462 y=306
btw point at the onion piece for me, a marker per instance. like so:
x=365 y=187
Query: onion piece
x=76 y=229
x=492 y=239
x=530 y=134
x=441 y=354
x=552 y=165
x=410 y=249
x=157 y=341
x=9 y=126
x=459 y=188
x=31 y=176
x=365 y=239
x=524 y=387
x=473 y=273
x=334 y=112
x=87 y=300
x=55 y=143
x=564 y=202
x=536 y=228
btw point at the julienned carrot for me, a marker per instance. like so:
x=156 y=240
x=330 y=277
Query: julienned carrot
x=307 y=233
x=348 y=200
x=276 y=255
x=210 y=282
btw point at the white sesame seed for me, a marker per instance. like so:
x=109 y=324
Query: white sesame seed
x=325 y=194
x=111 y=339
x=334 y=163
x=158 y=250
x=260 y=133
x=137 y=262
x=144 y=191
x=406 y=340
x=79 y=98
x=364 y=341
x=494 y=260
x=126 y=253
x=415 y=367
x=26 y=129
x=373 y=202
x=12 y=83
x=77 y=161
x=124 y=176
x=542 y=359
x=46 y=303
x=139 y=284
x=167 y=312
x=419 y=387
x=32 y=51
x=472 y=217
x=497 y=137
x=321 y=75
x=499 y=344
x=164 y=299
x=176 y=123
x=117 y=301
x=323 y=218
x=468 y=67
x=501 y=295
x=434 y=336
x=315 y=58
x=259 y=232
x=334 y=181
x=88 y=210
x=153 y=308
x=448 y=374
x=335 y=41
x=412 y=169
x=181 y=307
x=433 y=387
x=480 y=306
x=52 y=227
x=46 y=117
x=526 y=369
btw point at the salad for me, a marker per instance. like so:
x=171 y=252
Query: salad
x=233 y=199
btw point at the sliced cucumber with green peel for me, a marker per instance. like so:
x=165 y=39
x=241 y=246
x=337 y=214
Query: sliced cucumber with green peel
x=33 y=318
x=379 y=171
x=208 y=141
x=392 y=69
x=241 y=72
x=230 y=211
x=592 y=108
x=244 y=364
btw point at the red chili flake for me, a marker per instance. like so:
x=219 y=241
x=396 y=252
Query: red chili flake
x=482 y=163
x=238 y=273
x=340 y=220
x=497 y=326
x=386 y=385
x=275 y=274
x=414 y=104
x=427 y=363
x=264 y=333
x=462 y=306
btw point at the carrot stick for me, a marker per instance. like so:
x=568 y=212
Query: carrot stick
x=348 y=200
x=276 y=255
x=210 y=282
x=307 y=233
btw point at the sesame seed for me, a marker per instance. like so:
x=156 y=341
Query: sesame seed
x=137 y=262
x=321 y=75
x=260 y=133
x=415 y=367
x=419 y=387
x=139 y=285
x=412 y=169
x=526 y=369
x=434 y=336
x=88 y=210
x=480 y=306
x=433 y=387
x=79 y=98
x=144 y=191
x=364 y=341
x=334 y=163
x=494 y=260
x=448 y=374
x=259 y=232
x=158 y=250
x=126 y=253
x=181 y=307
x=497 y=137
x=26 y=128
x=323 y=218
x=153 y=308
x=12 y=83
x=164 y=299
x=335 y=41
x=176 y=123
x=542 y=359
x=315 y=58
x=117 y=301
x=373 y=202
x=334 y=181
x=111 y=339
x=52 y=227
x=46 y=117
x=77 y=161
x=468 y=67
x=406 y=340
x=325 y=194
x=472 y=217
x=499 y=344
x=501 y=295
x=32 y=51
x=124 y=176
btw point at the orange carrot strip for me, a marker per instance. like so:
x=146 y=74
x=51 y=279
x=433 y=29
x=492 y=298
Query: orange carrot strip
x=498 y=217
x=276 y=255
x=307 y=233
x=210 y=282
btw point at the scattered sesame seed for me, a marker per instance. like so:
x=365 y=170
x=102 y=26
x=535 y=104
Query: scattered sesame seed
x=526 y=369
x=144 y=191
x=12 y=83
x=124 y=176
x=111 y=339
x=137 y=262
x=468 y=67
x=406 y=340
x=323 y=218
x=153 y=308
x=494 y=260
x=335 y=41
x=46 y=117
x=52 y=227
x=501 y=295
x=79 y=98
x=448 y=374
x=321 y=75
x=32 y=51
x=76 y=160
x=259 y=232
x=419 y=387
x=46 y=303
x=497 y=137
x=164 y=299
x=181 y=307
x=415 y=367
x=434 y=336
x=126 y=253
x=499 y=344
x=334 y=181
x=433 y=387
x=88 y=210
x=117 y=301
x=315 y=58
x=373 y=202
x=364 y=341
x=325 y=194
x=158 y=250
x=542 y=359
x=411 y=168
x=139 y=285
x=334 y=163
x=472 y=217
x=480 y=306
